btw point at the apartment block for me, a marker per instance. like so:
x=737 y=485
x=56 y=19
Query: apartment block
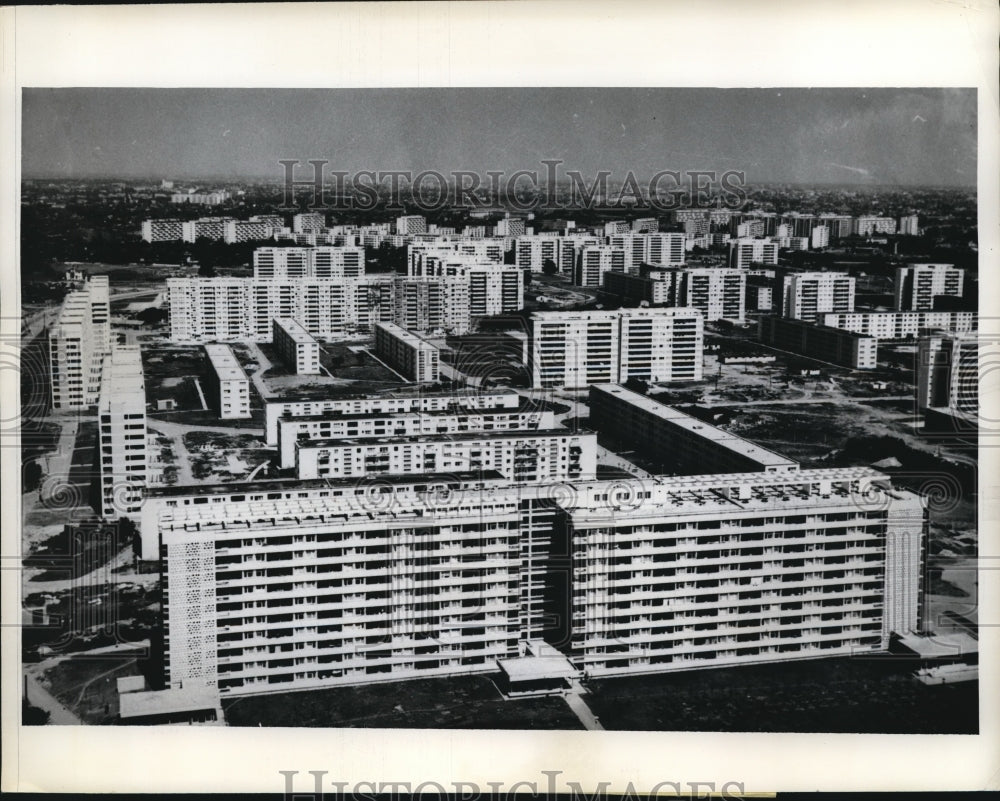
x=576 y=349
x=121 y=443
x=411 y=224
x=78 y=341
x=227 y=383
x=819 y=237
x=252 y=230
x=909 y=225
x=529 y=456
x=745 y=252
x=719 y=293
x=685 y=444
x=336 y=425
x=917 y=285
x=759 y=297
x=243 y=309
x=948 y=374
x=806 y=296
x=903 y=325
x=410 y=354
x=654 y=287
x=651 y=248
x=532 y=252
x=820 y=342
x=162 y=230
x=308 y=222
x=391 y=404
x=867 y=226
x=594 y=261
x=746 y=568
x=205 y=228
x=311 y=262
x=491 y=288
x=297 y=347
x=262 y=594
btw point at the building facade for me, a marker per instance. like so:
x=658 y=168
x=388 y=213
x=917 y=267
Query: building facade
x=121 y=443
x=806 y=296
x=227 y=383
x=79 y=339
x=297 y=347
x=820 y=342
x=917 y=285
x=410 y=354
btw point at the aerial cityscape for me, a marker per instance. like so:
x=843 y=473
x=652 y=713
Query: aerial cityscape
x=409 y=409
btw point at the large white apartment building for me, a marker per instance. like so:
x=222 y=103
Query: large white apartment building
x=165 y=230
x=492 y=287
x=296 y=346
x=948 y=374
x=384 y=405
x=313 y=262
x=205 y=228
x=539 y=455
x=406 y=424
x=719 y=293
x=121 y=438
x=228 y=383
x=411 y=224
x=423 y=254
x=242 y=309
x=917 y=285
x=253 y=230
x=78 y=341
x=596 y=260
x=806 y=296
x=745 y=568
x=652 y=248
x=903 y=325
x=410 y=354
x=745 y=252
x=577 y=349
x=307 y=222
x=867 y=225
x=294 y=585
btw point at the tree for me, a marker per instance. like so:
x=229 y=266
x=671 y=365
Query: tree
x=32 y=476
x=549 y=267
x=206 y=271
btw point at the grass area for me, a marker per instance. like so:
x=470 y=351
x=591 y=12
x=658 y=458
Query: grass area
x=226 y=456
x=87 y=685
x=839 y=695
x=461 y=702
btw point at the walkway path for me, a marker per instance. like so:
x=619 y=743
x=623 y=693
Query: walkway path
x=197 y=386
x=263 y=365
x=579 y=707
x=58 y=714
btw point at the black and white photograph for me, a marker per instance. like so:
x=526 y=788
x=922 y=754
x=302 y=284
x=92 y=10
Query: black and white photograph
x=500 y=409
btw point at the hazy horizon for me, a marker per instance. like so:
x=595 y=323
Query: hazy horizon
x=850 y=138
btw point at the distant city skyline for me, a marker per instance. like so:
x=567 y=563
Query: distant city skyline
x=849 y=137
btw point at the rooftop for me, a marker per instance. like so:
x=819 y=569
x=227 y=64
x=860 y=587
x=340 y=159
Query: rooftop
x=295 y=330
x=164 y=702
x=224 y=362
x=717 y=436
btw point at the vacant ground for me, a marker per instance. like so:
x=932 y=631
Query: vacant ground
x=467 y=702
x=844 y=695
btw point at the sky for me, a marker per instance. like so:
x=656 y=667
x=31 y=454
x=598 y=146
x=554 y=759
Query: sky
x=902 y=137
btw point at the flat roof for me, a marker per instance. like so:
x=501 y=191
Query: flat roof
x=697 y=427
x=940 y=644
x=415 y=391
x=295 y=330
x=224 y=361
x=293 y=484
x=611 y=314
x=455 y=436
x=538 y=668
x=525 y=406
x=408 y=337
x=163 y=702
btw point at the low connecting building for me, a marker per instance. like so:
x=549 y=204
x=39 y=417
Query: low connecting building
x=687 y=445
x=409 y=354
x=820 y=342
x=541 y=455
x=948 y=379
x=297 y=347
x=228 y=383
